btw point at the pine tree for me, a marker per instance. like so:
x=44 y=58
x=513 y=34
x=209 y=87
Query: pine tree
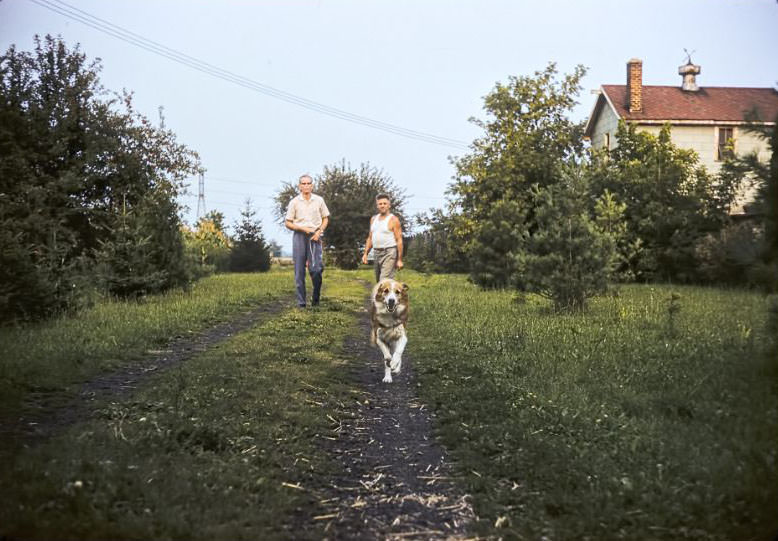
x=250 y=252
x=125 y=266
x=568 y=258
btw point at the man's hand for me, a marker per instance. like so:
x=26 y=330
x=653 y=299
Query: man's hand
x=364 y=259
x=316 y=235
x=399 y=264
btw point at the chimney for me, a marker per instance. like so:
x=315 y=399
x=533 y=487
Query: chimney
x=635 y=85
x=688 y=71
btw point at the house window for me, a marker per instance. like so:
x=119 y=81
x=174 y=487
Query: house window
x=724 y=150
x=607 y=141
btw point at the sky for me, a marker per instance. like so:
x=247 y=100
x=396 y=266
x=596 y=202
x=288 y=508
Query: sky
x=417 y=67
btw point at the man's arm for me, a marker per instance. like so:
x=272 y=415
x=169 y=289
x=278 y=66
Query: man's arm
x=368 y=243
x=398 y=237
x=317 y=233
x=294 y=227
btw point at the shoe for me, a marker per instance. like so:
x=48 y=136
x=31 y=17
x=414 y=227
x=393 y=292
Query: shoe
x=300 y=306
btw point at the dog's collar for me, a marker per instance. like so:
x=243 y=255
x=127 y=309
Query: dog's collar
x=389 y=326
x=380 y=324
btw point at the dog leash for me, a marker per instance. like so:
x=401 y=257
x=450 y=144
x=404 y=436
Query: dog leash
x=313 y=254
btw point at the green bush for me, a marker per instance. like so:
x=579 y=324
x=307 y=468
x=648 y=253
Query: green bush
x=732 y=255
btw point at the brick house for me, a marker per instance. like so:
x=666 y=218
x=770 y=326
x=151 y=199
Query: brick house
x=704 y=119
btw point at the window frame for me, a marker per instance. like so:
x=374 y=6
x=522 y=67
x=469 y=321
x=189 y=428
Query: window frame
x=721 y=146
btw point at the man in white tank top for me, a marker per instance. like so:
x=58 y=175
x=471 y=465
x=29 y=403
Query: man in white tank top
x=385 y=239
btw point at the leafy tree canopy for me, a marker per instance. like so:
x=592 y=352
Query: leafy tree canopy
x=433 y=248
x=79 y=170
x=671 y=202
x=527 y=138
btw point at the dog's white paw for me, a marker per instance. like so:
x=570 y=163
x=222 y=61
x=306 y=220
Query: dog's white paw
x=387 y=377
x=395 y=365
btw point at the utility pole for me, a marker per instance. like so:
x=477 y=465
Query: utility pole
x=201 y=198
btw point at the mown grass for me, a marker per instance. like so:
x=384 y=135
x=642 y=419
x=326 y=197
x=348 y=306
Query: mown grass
x=57 y=353
x=223 y=446
x=652 y=416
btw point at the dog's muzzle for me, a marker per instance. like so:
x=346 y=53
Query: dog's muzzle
x=391 y=304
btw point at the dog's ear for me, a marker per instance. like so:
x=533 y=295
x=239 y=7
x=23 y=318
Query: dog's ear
x=405 y=288
x=379 y=294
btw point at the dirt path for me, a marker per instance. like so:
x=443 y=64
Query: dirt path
x=396 y=481
x=393 y=482
x=46 y=413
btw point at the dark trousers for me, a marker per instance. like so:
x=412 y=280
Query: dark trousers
x=305 y=252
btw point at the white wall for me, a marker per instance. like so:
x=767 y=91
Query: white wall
x=607 y=122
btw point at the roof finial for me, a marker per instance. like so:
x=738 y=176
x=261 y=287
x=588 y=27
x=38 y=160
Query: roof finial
x=689 y=55
x=689 y=70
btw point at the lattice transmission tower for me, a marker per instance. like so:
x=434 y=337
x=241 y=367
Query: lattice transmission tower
x=201 y=197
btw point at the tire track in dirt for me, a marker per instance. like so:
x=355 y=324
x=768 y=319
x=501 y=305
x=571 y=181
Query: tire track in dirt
x=47 y=413
x=396 y=481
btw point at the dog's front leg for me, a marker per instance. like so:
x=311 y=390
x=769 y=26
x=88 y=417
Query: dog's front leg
x=397 y=356
x=387 y=359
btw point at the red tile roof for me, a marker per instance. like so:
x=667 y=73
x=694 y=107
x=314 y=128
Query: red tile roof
x=708 y=103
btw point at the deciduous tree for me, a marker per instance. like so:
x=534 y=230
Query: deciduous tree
x=433 y=248
x=74 y=163
x=527 y=137
x=208 y=244
x=671 y=202
x=350 y=197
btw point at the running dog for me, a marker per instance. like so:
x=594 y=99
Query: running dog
x=388 y=316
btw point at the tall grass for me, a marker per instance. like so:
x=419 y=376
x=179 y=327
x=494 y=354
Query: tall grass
x=56 y=353
x=653 y=415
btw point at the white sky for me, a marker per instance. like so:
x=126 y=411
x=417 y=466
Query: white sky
x=424 y=65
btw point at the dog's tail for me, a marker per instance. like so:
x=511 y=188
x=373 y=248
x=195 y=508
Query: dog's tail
x=373 y=337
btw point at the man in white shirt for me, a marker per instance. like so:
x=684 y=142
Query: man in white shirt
x=308 y=216
x=385 y=239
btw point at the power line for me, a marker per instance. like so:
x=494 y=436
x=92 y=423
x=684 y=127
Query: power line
x=250 y=192
x=237 y=181
x=132 y=38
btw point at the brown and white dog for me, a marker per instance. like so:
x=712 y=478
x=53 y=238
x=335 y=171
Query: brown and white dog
x=388 y=316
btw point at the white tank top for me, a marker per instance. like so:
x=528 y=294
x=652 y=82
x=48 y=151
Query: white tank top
x=381 y=235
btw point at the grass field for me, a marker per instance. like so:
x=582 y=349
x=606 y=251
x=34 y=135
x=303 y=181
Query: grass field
x=652 y=416
x=58 y=353
x=223 y=446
